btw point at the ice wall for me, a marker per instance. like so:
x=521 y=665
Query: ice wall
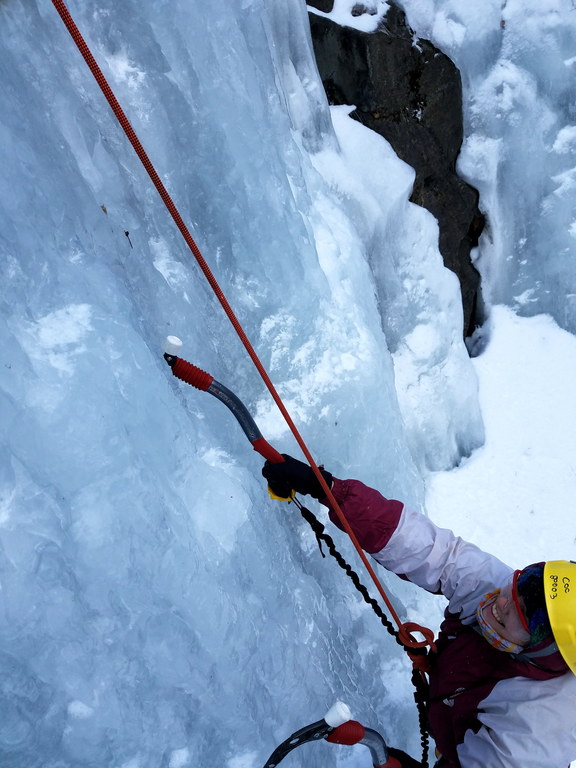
x=517 y=60
x=156 y=608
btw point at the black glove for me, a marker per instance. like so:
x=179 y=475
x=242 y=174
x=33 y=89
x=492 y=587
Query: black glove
x=292 y=474
x=405 y=760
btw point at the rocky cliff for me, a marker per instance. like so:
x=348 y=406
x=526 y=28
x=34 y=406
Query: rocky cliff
x=409 y=92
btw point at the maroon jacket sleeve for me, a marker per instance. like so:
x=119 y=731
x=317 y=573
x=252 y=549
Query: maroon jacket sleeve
x=372 y=517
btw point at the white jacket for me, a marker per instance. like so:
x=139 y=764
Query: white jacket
x=521 y=722
x=525 y=723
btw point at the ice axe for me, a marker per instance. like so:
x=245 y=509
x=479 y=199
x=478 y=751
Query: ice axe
x=199 y=379
x=337 y=727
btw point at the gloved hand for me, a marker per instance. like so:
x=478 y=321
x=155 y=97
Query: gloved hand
x=402 y=759
x=292 y=474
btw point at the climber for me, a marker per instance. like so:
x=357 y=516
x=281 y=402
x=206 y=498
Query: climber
x=502 y=691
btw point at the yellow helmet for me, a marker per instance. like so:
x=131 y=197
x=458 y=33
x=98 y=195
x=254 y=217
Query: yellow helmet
x=560 y=592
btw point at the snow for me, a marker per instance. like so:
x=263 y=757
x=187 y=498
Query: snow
x=373 y=12
x=513 y=495
x=156 y=608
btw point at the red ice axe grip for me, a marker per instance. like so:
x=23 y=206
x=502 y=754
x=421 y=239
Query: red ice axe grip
x=192 y=375
x=348 y=733
x=352 y=732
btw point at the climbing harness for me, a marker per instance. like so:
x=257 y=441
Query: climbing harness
x=199 y=379
x=404 y=634
x=337 y=727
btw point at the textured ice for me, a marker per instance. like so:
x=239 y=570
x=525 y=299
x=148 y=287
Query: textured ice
x=517 y=63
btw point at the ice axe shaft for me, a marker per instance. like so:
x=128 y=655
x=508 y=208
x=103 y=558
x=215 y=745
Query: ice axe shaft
x=199 y=379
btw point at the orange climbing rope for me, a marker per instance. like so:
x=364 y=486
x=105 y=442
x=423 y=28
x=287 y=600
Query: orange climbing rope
x=404 y=630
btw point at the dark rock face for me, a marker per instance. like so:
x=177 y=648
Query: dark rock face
x=410 y=93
